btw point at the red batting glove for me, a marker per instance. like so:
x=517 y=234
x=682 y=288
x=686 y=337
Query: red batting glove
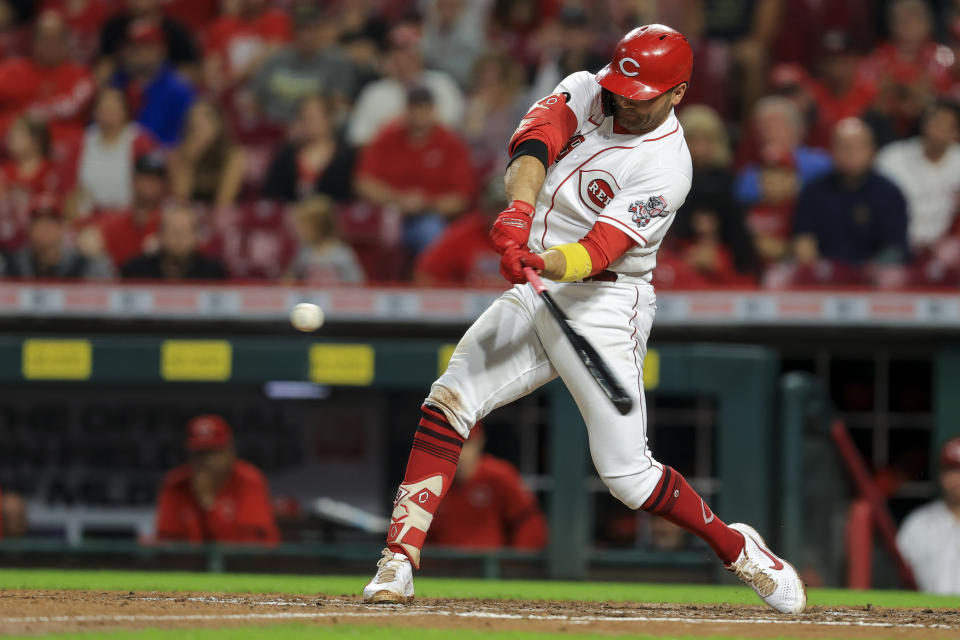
x=513 y=262
x=511 y=230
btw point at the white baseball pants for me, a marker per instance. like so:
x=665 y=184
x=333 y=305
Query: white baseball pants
x=516 y=346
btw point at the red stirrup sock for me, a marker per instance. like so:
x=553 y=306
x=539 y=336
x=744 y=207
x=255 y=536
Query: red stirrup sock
x=676 y=501
x=430 y=470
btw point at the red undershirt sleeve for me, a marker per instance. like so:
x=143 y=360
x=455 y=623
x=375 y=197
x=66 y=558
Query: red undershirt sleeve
x=551 y=121
x=605 y=243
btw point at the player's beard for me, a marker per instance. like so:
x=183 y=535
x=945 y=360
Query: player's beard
x=642 y=123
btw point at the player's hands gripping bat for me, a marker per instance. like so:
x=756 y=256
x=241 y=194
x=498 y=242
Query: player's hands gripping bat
x=513 y=262
x=584 y=350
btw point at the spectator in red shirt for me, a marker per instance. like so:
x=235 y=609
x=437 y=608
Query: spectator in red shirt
x=488 y=506
x=198 y=15
x=84 y=18
x=129 y=232
x=705 y=252
x=239 y=43
x=911 y=47
x=215 y=497
x=806 y=26
x=464 y=254
x=27 y=172
x=770 y=218
x=420 y=166
x=47 y=86
x=839 y=90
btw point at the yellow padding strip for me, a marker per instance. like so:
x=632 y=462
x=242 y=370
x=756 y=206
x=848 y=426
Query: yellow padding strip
x=579 y=264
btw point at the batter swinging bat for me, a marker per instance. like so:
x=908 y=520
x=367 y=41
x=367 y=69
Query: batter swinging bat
x=585 y=351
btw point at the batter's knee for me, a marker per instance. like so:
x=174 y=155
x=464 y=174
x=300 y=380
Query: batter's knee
x=451 y=403
x=633 y=490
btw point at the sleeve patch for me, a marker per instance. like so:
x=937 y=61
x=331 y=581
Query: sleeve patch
x=643 y=211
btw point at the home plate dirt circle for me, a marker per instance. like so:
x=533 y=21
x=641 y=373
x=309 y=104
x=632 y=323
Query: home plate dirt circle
x=36 y=612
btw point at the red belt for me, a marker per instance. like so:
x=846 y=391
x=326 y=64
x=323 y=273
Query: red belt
x=603 y=276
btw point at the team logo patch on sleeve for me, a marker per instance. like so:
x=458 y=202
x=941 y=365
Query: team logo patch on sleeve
x=643 y=211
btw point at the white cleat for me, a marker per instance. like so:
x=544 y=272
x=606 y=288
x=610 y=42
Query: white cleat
x=774 y=579
x=393 y=581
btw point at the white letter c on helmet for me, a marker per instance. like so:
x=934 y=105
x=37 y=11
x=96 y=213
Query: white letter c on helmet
x=623 y=67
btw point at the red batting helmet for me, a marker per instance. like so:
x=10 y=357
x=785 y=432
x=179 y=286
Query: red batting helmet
x=648 y=61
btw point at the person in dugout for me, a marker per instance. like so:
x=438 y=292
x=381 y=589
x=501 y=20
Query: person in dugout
x=215 y=497
x=13 y=515
x=488 y=505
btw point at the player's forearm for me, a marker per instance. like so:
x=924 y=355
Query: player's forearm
x=523 y=179
x=554 y=264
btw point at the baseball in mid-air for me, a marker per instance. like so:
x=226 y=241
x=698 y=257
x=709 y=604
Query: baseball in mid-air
x=306 y=316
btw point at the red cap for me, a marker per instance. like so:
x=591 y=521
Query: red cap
x=788 y=74
x=950 y=454
x=208 y=432
x=145 y=32
x=648 y=61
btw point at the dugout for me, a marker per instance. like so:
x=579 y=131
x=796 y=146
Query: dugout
x=101 y=361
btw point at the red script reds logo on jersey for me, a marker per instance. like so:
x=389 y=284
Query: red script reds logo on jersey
x=644 y=212
x=597 y=189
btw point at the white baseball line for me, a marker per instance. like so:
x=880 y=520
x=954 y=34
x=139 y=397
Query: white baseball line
x=393 y=611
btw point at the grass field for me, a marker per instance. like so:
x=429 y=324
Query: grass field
x=86 y=596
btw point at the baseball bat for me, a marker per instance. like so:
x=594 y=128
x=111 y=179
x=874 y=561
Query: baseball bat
x=584 y=350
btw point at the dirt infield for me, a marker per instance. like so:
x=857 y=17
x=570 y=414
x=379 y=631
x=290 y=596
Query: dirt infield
x=36 y=612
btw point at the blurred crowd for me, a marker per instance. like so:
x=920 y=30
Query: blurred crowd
x=344 y=141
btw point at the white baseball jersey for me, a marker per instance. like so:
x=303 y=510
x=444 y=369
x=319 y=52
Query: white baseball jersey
x=930 y=541
x=635 y=183
x=932 y=189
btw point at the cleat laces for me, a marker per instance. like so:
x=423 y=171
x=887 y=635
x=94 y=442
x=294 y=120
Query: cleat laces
x=386 y=569
x=748 y=571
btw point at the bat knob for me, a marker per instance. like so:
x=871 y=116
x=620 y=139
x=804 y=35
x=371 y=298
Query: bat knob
x=624 y=405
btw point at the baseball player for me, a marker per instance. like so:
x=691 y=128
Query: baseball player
x=598 y=170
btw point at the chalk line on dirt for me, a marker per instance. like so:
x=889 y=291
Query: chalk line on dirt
x=420 y=611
